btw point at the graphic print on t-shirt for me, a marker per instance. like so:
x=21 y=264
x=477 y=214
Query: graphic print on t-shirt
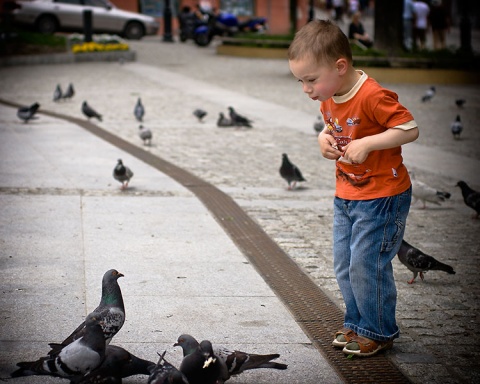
x=355 y=174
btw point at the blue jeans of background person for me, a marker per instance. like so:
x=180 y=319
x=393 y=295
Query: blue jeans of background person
x=367 y=235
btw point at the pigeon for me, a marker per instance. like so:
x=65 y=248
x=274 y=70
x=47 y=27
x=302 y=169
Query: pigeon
x=456 y=127
x=319 y=124
x=222 y=121
x=419 y=262
x=290 y=172
x=166 y=373
x=70 y=92
x=75 y=359
x=200 y=114
x=429 y=94
x=111 y=310
x=425 y=193
x=460 y=102
x=145 y=134
x=139 y=110
x=118 y=364
x=28 y=113
x=122 y=173
x=57 y=93
x=239 y=120
x=232 y=362
x=470 y=197
x=201 y=366
x=90 y=112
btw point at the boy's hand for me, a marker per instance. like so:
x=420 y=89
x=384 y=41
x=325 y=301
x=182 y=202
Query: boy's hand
x=328 y=146
x=355 y=152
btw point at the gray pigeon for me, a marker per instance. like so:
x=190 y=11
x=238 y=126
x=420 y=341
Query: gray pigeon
x=28 y=113
x=319 y=124
x=122 y=173
x=470 y=197
x=290 y=172
x=145 y=134
x=201 y=366
x=232 y=362
x=118 y=364
x=111 y=310
x=239 y=120
x=166 y=373
x=200 y=114
x=425 y=193
x=139 y=110
x=456 y=127
x=70 y=92
x=90 y=112
x=57 y=93
x=75 y=359
x=223 y=122
x=419 y=262
x=428 y=96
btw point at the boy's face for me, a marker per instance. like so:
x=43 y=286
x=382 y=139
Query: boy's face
x=319 y=82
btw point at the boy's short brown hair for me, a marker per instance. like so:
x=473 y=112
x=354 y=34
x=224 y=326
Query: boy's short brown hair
x=321 y=40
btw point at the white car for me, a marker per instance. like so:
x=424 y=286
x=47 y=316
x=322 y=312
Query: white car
x=49 y=16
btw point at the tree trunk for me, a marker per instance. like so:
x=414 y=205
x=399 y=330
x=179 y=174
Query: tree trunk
x=389 y=26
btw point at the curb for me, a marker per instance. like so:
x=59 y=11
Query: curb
x=67 y=58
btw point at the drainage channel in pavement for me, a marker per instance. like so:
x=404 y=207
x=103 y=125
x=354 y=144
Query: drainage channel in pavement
x=311 y=308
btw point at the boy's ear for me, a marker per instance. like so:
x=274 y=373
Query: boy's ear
x=342 y=66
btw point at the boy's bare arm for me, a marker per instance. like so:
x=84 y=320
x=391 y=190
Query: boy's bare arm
x=357 y=150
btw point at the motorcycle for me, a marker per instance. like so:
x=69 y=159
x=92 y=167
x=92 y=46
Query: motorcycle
x=202 y=30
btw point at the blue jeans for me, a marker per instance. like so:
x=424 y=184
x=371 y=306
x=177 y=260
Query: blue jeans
x=366 y=237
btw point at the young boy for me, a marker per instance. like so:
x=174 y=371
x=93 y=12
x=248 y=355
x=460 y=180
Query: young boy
x=365 y=128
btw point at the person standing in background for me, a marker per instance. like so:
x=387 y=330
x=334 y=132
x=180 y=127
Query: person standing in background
x=408 y=14
x=421 y=12
x=440 y=22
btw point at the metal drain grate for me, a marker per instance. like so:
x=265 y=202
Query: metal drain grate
x=318 y=316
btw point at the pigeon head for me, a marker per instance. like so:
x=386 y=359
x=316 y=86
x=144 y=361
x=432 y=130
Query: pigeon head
x=207 y=351
x=188 y=344
x=93 y=319
x=111 y=275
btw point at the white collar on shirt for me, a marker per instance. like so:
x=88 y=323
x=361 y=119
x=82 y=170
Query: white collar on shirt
x=353 y=91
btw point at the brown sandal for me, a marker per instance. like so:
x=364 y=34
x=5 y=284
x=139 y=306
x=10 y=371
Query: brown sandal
x=343 y=337
x=362 y=346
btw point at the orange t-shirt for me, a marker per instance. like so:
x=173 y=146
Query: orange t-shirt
x=366 y=110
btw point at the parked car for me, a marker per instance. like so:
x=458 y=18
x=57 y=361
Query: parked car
x=49 y=16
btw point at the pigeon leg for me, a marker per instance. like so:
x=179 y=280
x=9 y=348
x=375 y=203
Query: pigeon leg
x=413 y=278
x=422 y=276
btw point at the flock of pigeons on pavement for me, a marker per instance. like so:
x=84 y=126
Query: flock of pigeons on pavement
x=87 y=356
